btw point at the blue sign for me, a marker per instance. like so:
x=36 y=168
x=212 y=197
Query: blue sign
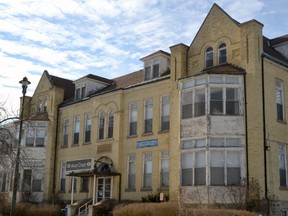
x=147 y=143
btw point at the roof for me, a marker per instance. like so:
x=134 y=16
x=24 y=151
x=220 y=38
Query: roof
x=156 y=53
x=224 y=69
x=271 y=52
x=66 y=84
x=279 y=40
x=98 y=78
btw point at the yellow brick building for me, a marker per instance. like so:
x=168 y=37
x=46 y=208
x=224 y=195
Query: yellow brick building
x=197 y=123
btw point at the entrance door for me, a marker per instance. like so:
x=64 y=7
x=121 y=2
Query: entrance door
x=103 y=188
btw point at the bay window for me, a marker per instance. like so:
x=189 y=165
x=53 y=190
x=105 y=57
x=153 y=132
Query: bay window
x=214 y=162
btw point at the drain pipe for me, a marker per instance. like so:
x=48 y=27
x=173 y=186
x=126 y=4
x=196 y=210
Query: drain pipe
x=266 y=148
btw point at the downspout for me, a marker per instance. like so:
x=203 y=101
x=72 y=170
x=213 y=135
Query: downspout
x=55 y=153
x=264 y=132
x=246 y=131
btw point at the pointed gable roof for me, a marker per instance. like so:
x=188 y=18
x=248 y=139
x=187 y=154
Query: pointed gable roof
x=214 y=8
x=66 y=84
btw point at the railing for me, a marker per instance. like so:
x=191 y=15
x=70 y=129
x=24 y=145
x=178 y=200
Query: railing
x=84 y=208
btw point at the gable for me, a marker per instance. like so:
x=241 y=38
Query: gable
x=218 y=27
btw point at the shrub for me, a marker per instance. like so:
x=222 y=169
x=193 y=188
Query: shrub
x=144 y=209
x=154 y=198
x=27 y=209
x=172 y=209
x=4 y=205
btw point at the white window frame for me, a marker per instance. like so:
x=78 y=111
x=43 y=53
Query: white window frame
x=65 y=138
x=147 y=160
x=165 y=113
x=197 y=146
x=133 y=113
x=280 y=100
x=148 y=116
x=87 y=132
x=221 y=47
x=283 y=163
x=76 y=130
x=208 y=52
x=131 y=177
x=164 y=171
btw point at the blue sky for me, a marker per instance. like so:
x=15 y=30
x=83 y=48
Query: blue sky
x=72 y=38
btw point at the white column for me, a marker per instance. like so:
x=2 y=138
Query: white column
x=72 y=190
x=94 y=189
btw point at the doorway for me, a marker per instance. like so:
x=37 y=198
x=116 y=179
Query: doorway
x=103 y=188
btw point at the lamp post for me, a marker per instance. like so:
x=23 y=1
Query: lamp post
x=24 y=84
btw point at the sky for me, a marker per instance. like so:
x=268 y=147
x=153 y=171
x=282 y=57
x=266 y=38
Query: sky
x=73 y=38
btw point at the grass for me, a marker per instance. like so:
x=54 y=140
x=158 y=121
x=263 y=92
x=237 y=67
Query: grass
x=27 y=209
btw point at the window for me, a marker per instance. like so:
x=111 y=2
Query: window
x=133 y=119
x=35 y=136
x=45 y=105
x=209 y=57
x=63 y=176
x=152 y=69
x=101 y=126
x=27 y=178
x=80 y=93
x=3 y=177
x=73 y=183
x=84 y=184
x=39 y=105
x=199 y=102
x=131 y=171
x=76 y=130
x=165 y=113
x=164 y=172
x=187 y=105
x=216 y=101
x=217 y=164
x=65 y=133
x=222 y=53
x=87 y=133
x=148 y=116
x=110 y=124
x=147 y=170
x=283 y=165
x=220 y=94
x=37 y=180
x=279 y=100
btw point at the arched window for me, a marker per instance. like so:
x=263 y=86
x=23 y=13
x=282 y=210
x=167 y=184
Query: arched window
x=39 y=105
x=110 y=124
x=101 y=126
x=222 y=53
x=45 y=105
x=209 y=57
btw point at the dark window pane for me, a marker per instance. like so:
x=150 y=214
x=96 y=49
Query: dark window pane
x=87 y=136
x=133 y=128
x=147 y=180
x=187 y=177
x=233 y=176
x=199 y=109
x=164 y=179
x=165 y=124
x=36 y=185
x=155 y=70
x=40 y=141
x=216 y=107
x=101 y=133
x=200 y=176
x=148 y=126
x=187 y=111
x=76 y=138
x=131 y=181
x=217 y=175
x=232 y=107
x=283 y=182
x=280 y=112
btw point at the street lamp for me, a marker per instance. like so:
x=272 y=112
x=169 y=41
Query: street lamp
x=24 y=84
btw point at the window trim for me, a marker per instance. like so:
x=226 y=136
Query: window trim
x=209 y=62
x=222 y=46
x=148 y=106
x=133 y=108
x=162 y=116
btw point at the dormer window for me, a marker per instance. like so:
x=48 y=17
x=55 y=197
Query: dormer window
x=156 y=65
x=152 y=69
x=209 y=57
x=222 y=53
x=80 y=93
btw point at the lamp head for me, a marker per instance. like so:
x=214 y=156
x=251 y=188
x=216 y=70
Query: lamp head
x=25 y=82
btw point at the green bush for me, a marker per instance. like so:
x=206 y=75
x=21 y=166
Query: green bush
x=27 y=209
